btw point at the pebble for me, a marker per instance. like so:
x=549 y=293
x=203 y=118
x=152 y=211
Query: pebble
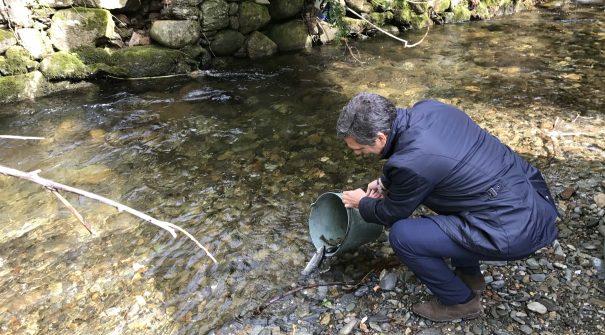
x=388 y=281
x=537 y=307
x=539 y=277
x=498 y=284
x=348 y=328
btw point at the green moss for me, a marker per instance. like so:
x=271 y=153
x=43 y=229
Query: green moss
x=416 y=21
x=146 y=61
x=90 y=55
x=482 y=11
x=380 y=19
x=6 y=35
x=64 y=65
x=23 y=86
x=462 y=13
x=16 y=61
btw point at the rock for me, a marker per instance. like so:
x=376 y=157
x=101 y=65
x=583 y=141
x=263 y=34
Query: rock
x=537 y=307
x=146 y=61
x=538 y=277
x=7 y=39
x=215 y=15
x=348 y=328
x=439 y=6
x=18 y=13
x=226 y=42
x=568 y=192
x=64 y=65
x=252 y=17
x=76 y=27
x=285 y=9
x=360 y=6
x=16 y=61
x=292 y=35
x=259 y=45
x=139 y=38
x=56 y=3
x=175 y=33
x=599 y=199
x=388 y=281
x=36 y=43
x=21 y=87
x=127 y=5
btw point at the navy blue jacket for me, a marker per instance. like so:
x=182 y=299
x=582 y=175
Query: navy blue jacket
x=487 y=197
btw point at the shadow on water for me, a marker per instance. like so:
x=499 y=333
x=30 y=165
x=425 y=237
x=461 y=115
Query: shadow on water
x=236 y=157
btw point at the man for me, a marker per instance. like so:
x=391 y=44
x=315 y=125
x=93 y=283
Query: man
x=490 y=203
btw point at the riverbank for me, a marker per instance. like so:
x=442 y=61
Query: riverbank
x=47 y=46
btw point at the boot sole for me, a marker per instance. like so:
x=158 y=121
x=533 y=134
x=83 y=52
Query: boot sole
x=465 y=317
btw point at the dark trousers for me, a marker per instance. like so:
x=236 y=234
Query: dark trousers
x=423 y=246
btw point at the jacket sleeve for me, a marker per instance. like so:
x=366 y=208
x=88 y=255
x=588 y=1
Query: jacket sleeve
x=406 y=191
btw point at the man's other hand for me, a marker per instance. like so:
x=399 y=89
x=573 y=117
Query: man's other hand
x=374 y=190
x=351 y=198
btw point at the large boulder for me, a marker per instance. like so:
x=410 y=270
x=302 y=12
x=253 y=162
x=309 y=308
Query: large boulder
x=252 y=16
x=63 y=65
x=75 y=27
x=226 y=42
x=215 y=15
x=16 y=61
x=259 y=45
x=21 y=87
x=7 y=40
x=285 y=9
x=147 y=61
x=292 y=35
x=35 y=42
x=175 y=34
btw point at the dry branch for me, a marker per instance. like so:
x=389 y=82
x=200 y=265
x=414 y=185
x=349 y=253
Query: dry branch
x=53 y=186
x=13 y=137
x=73 y=210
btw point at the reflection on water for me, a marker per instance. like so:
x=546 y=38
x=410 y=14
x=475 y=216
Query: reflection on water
x=236 y=158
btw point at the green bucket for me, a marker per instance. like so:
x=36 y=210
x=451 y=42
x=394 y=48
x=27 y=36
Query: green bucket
x=338 y=228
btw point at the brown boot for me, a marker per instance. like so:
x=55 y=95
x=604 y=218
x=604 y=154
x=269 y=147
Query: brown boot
x=436 y=311
x=474 y=282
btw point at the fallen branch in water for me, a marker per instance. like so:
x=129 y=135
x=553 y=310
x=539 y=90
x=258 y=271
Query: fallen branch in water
x=54 y=186
x=405 y=43
x=73 y=210
x=13 y=137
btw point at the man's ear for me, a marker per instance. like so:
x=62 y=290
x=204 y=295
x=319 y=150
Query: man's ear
x=381 y=138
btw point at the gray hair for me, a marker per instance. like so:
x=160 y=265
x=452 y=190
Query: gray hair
x=364 y=116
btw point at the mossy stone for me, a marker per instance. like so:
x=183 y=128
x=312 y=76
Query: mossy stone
x=16 y=61
x=75 y=27
x=146 y=61
x=405 y=15
x=7 y=39
x=90 y=55
x=64 y=65
x=252 y=16
x=23 y=86
x=461 y=13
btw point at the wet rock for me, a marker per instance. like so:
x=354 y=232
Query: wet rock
x=348 y=327
x=388 y=281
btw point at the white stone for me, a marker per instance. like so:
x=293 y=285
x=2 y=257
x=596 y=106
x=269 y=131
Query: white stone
x=537 y=307
x=37 y=44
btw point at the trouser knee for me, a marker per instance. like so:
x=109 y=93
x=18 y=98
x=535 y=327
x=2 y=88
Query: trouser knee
x=401 y=239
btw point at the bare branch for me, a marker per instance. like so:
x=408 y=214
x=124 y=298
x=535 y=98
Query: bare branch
x=72 y=210
x=13 y=137
x=33 y=177
x=405 y=43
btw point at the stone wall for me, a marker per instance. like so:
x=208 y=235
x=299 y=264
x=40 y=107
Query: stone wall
x=48 y=45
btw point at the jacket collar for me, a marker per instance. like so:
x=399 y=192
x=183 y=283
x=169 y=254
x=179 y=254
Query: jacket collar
x=399 y=124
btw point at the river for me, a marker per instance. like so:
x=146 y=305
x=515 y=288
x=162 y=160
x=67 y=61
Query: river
x=237 y=156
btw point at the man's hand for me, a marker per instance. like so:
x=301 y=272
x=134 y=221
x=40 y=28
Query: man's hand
x=374 y=190
x=351 y=198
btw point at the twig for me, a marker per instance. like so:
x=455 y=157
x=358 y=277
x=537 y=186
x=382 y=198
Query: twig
x=405 y=43
x=72 y=210
x=262 y=307
x=13 y=137
x=33 y=177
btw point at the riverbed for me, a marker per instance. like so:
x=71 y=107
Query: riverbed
x=237 y=154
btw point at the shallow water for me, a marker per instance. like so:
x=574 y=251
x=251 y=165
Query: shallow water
x=236 y=157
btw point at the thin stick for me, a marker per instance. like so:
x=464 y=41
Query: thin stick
x=73 y=210
x=405 y=43
x=170 y=227
x=13 y=137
